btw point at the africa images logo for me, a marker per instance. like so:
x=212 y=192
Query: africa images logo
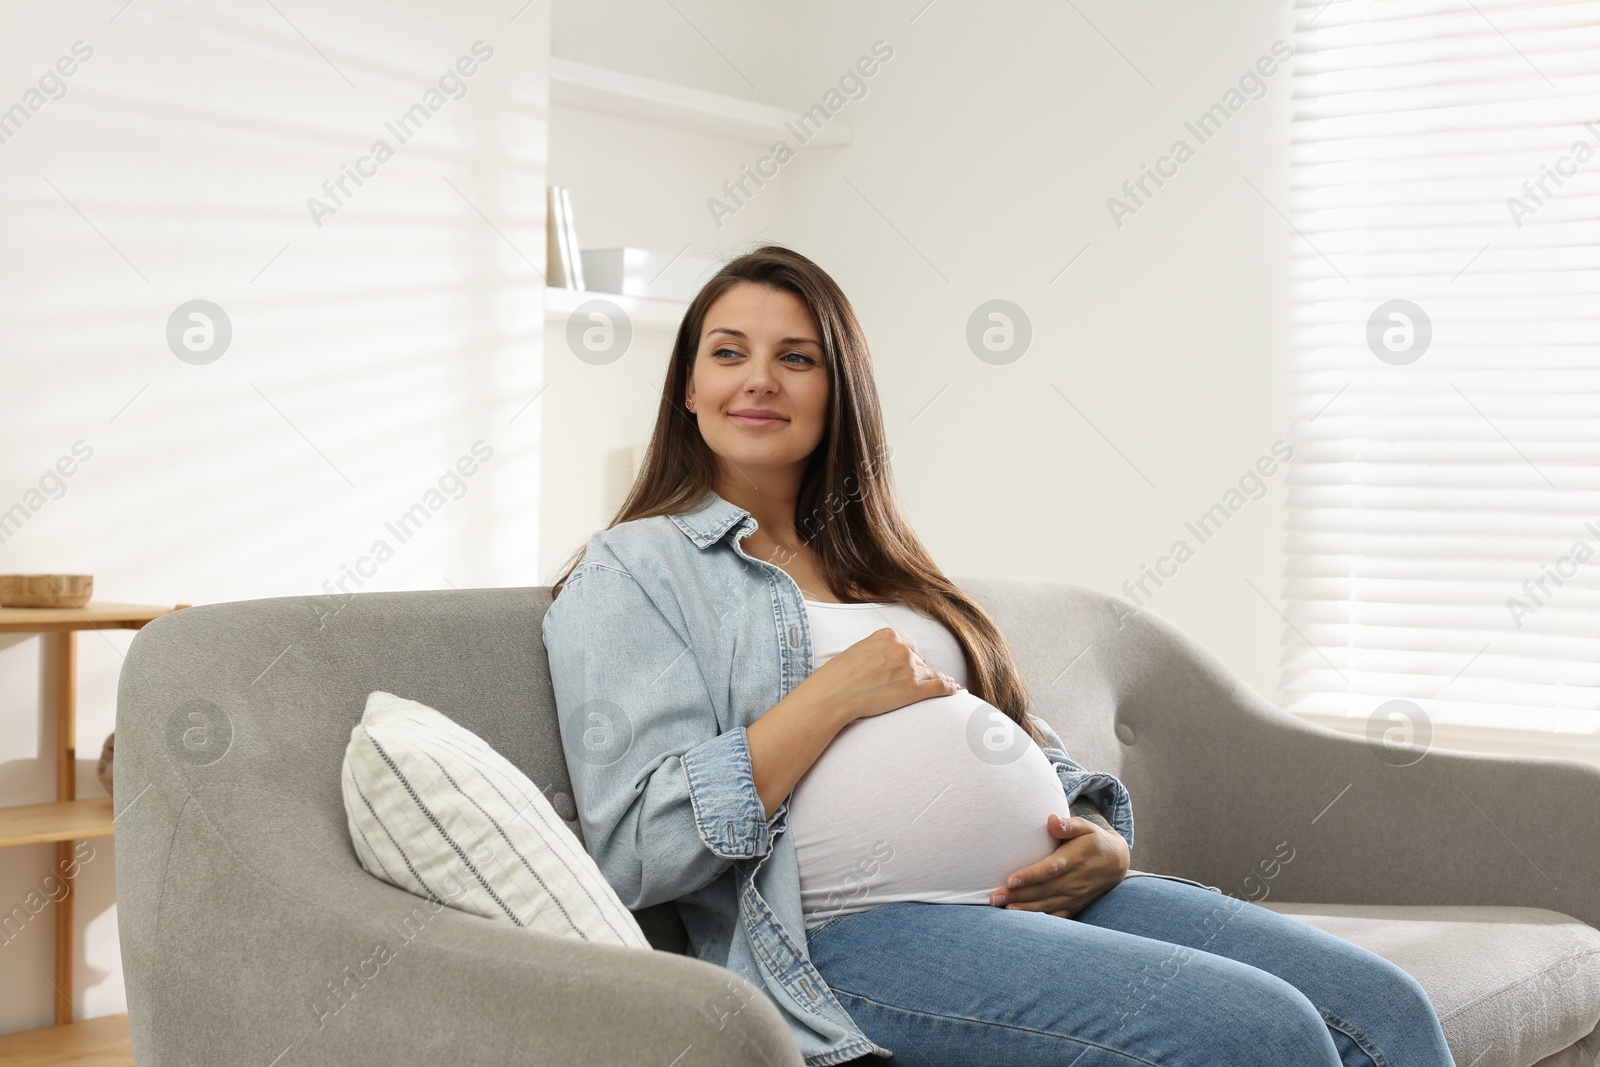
x=451 y=84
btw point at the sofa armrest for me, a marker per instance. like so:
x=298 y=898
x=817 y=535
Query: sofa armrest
x=1229 y=789
x=495 y=993
x=242 y=964
x=249 y=931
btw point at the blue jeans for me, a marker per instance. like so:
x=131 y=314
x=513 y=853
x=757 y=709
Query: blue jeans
x=1154 y=971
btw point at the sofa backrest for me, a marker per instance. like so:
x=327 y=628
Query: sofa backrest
x=286 y=679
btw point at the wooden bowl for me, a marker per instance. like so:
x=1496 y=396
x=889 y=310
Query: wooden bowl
x=45 y=590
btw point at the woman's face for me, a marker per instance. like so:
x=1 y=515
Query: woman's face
x=760 y=350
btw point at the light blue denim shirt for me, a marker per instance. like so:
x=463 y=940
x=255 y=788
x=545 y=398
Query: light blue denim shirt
x=665 y=644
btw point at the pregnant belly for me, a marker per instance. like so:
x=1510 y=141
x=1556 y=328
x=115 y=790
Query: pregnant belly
x=938 y=801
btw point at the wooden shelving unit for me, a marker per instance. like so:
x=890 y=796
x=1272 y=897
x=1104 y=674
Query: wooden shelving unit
x=58 y=820
x=103 y=1042
x=64 y=821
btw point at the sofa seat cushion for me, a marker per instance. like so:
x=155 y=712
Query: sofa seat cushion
x=1513 y=987
x=434 y=810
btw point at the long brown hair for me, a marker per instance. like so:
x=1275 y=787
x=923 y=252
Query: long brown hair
x=847 y=510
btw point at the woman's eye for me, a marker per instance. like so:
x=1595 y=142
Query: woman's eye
x=732 y=352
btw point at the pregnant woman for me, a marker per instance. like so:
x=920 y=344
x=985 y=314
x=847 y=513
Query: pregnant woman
x=780 y=715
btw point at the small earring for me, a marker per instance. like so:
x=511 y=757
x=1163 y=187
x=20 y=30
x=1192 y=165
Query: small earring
x=689 y=404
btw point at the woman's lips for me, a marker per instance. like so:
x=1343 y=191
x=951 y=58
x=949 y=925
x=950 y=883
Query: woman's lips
x=747 y=420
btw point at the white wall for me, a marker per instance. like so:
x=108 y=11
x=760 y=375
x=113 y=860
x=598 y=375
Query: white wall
x=984 y=152
x=640 y=185
x=643 y=185
x=368 y=354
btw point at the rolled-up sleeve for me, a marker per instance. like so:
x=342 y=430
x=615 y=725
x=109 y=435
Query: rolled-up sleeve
x=666 y=801
x=1106 y=791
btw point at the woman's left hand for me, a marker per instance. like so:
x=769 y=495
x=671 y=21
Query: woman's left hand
x=1090 y=861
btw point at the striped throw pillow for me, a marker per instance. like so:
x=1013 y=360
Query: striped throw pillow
x=437 y=812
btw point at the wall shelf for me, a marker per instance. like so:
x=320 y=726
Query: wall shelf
x=641 y=310
x=614 y=92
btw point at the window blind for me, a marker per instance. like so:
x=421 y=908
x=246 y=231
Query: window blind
x=1443 y=509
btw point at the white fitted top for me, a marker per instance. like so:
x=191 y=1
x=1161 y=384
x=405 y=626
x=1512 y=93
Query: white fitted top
x=938 y=801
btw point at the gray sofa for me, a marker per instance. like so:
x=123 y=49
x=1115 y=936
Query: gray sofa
x=250 y=935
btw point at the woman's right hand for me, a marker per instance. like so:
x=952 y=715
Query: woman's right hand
x=879 y=673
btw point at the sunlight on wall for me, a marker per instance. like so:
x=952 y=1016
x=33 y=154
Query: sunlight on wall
x=383 y=333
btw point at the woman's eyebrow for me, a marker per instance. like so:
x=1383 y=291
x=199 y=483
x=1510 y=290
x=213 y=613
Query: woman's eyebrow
x=783 y=341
